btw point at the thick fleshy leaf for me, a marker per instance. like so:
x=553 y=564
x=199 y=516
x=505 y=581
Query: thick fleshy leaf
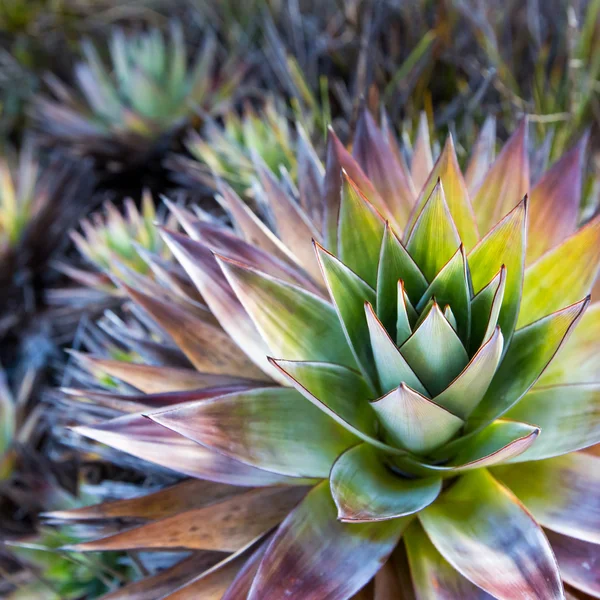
x=422 y=158
x=293 y=322
x=214 y=582
x=562 y=493
x=168 y=580
x=432 y=575
x=504 y=246
x=240 y=586
x=392 y=368
x=225 y=526
x=360 y=231
x=448 y=171
x=349 y=293
x=141 y=437
x=406 y=315
x=482 y=155
x=434 y=352
x=463 y=395
x=365 y=489
x=339 y=392
x=153 y=380
x=250 y=227
x=396 y=264
x=562 y=275
x=485 y=309
x=203 y=269
x=569 y=416
x=381 y=165
x=451 y=287
x=413 y=422
x=531 y=349
x=506 y=182
x=579 y=562
x=208 y=347
x=314 y=556
x=482 y=530
x=393 y=580
x=184 y=496
x=577 y=360
x=270 y=428
x=497 y=443
x=293 y=226
x=310 y=178
x=433 y=238
x=554 y=203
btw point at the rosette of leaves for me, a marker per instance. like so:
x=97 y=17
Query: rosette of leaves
x=393 y=396
x=126 y=111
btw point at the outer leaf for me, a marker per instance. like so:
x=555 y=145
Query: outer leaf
x=422 y=159
x=504 y=246
x=145 y=439
x=391 y=366
x=240 y=586
x=569 y=416
x=485 y=309
x=293 y=322
x=463 y=395
x=365 y=489
x=340 y=393
x=451 y=287
x=414 y=422
x=579 y=562
x=310 y=178
x=433 y=239
x=482 y=155
x=532 y=348
x=483 y=532
x=273 y=429
x=448 y=171
x=562 y=275
x=396 y=264
x=360 y=232
x=577 y=360
x=505 y=183
x=315 y=557
x=380 y=164
x=349 y=294
x=225 y=526
x=562 y=493
x=434 y=352
x=554 y=203
x=432 y=575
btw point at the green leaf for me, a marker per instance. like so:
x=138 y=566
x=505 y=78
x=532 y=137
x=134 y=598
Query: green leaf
x=562 y=493
x=406 y=315
x=434 y=352
x=273 y=429
x=365 y=489
x=463 y=395
x=349 y=294
x=577 y=360
x=451 y=287
x=360 y=232
x=422 y=159
x=391 y=366
x=504 y=246
x=413 y=422
x=532 y=348
x=561 y=276
x=505 y=183
x=485 y=309
x=447 y=170
x=483 y=532
x=294 y=323
x=396 y=264
x=433 y=239
x=568 y=415
x=431 y=573
x=315 y=556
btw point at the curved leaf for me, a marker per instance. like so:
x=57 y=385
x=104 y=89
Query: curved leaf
x=485 y=309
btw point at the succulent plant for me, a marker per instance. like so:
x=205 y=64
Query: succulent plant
x=125 y=112
x=391 y=396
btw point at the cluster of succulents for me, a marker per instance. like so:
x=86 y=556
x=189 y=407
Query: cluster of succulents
x=384 y=390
